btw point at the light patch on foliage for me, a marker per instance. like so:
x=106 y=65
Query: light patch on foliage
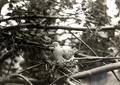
x=58 y=0
x=112 y=11
x=22 y=4
x=103 y=34
x=71 y=12
x=60 y=31
x=117 y=33
x=63 y=37
x=5 y=9
x=79 y=1
x=94 y=0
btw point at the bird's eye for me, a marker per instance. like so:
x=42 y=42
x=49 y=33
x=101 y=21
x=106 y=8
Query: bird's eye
x=55 y=43
x=111 y=50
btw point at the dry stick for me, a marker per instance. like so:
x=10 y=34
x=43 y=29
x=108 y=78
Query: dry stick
x=13 y=54
x=117 y=53
x=23 y=77
x=29 y=25
x=89 y=28
x=57 y=79
x=113 y=71
x=81 y=56
x=70 y=77
x=92 y=58
x=31 y=67
x=115 y=75
x=19 y=81
x=97 y=70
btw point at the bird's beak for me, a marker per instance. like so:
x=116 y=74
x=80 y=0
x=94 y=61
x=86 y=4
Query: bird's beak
x=52 y=45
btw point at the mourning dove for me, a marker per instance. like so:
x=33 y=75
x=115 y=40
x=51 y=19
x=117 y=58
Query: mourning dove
x=58 y=53
x=62 y=53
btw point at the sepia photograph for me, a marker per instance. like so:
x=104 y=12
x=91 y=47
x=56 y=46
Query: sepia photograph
x=59 y=42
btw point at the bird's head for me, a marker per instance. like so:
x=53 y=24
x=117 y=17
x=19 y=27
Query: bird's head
x=55 y=44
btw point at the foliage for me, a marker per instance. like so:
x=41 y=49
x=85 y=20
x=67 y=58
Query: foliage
x=93 y=15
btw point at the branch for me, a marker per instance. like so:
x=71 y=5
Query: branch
x=94 y=58
x=18 y=81
x=35 y=17
x=81 y=56
x=29 y=25
x=97 y=70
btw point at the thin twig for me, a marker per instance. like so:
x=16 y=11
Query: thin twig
x=65 y=75
x=92 y=58
x=117 y=53
x=81 y=55
x=23 y=77
x=31 y=67
x=89 y=28
x=70 y=77
x=84 y=44
x=17 y=81
x=13 y=54
x=115 y=75
x=57 y=79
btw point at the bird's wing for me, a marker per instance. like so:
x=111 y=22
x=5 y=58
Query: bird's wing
x=58 y=54
x=67 y=52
